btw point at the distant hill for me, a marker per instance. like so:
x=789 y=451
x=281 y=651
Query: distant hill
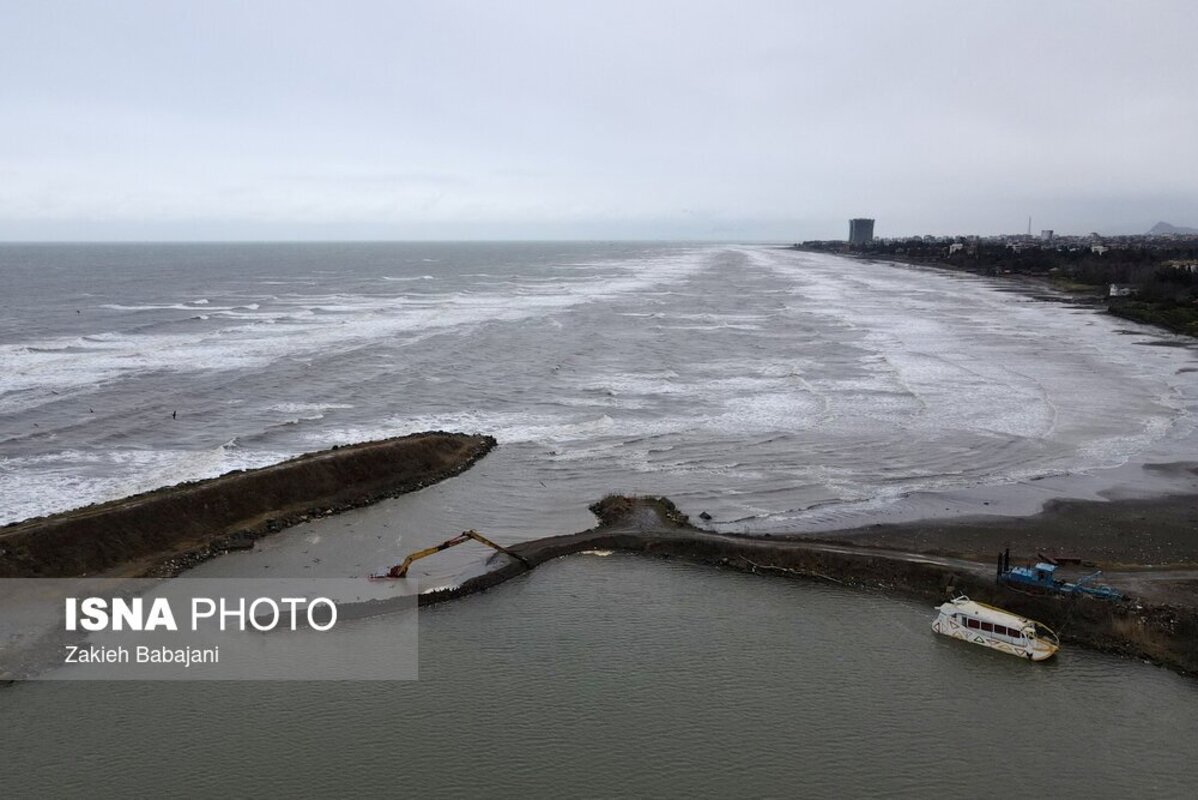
x=1164 y=229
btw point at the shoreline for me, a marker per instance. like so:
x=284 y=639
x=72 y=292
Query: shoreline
x=1146 y=545
x=1156 y=475
x=1039 y=287
x=1162 y=633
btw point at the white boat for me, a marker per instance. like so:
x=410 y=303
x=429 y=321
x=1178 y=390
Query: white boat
x=962 y=618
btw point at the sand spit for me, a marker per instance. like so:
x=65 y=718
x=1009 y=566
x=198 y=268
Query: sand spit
x=161 y=533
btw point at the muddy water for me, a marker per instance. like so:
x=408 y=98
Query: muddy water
x=631 y=677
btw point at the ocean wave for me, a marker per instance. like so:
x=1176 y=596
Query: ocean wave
x=83 y=477
x=185 y=306
x=865 y=384
x=351 y=320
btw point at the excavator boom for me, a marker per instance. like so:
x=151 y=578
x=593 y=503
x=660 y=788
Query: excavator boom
x=401 y=570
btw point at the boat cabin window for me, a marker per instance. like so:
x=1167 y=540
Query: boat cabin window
x=990 y=627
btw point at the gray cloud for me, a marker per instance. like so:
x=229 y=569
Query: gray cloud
x=649 y=120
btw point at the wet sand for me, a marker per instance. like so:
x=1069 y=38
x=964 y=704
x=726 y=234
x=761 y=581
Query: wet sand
x=1124 y=531
x=1145 y=546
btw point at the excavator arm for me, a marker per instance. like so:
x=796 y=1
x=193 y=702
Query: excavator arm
x=401 y=570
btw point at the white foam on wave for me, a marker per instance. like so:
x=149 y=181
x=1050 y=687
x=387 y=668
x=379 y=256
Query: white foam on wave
x=163 y=307
x=869 y=383
x=301 y=408
x=81 y=477
x=730 y=407
x=1114 y=450
x=305 y=412
x=948 y=353
x=506 y=427
x=303 y=325
x=765 y=412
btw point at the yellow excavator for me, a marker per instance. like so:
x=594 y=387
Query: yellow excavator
x=401 y=570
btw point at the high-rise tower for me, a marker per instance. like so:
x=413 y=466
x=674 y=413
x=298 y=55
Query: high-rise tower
x=861 y=231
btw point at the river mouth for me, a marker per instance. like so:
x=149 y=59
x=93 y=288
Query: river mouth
x=777 y=392
x=690 y=681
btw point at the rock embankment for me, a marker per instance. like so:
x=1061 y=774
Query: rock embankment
x=164 y=531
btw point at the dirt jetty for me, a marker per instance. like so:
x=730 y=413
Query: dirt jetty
x=1159 y=632
x=161 y=533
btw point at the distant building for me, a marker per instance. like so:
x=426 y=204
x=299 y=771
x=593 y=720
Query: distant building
x=1185 y=265
x=1123 y=290
x=1098 y=249
x=1046 y=235
x=861 y=231
x=955 y=247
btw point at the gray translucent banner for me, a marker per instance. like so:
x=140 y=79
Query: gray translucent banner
x=186 y=629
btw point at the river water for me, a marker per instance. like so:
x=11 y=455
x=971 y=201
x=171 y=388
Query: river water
x=632 y=677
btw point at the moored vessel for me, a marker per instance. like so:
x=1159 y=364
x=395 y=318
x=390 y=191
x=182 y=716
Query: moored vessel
x=978 y=623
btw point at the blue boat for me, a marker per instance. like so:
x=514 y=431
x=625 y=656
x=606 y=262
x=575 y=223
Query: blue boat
x=1041 y=579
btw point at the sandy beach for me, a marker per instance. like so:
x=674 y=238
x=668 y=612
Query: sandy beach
x=1161 y=531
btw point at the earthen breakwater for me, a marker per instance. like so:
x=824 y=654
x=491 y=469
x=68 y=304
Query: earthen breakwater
x=1163 y=634
x=163 y=532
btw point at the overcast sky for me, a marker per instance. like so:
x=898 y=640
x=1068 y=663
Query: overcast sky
x=737 y=120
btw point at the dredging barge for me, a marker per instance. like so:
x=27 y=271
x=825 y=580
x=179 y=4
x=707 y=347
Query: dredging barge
x=1040 y=578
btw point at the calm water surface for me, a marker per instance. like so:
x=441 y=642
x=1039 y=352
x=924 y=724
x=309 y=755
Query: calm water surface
x=629 y=677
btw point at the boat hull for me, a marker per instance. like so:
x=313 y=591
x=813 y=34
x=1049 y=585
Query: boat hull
x=1036 y=651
